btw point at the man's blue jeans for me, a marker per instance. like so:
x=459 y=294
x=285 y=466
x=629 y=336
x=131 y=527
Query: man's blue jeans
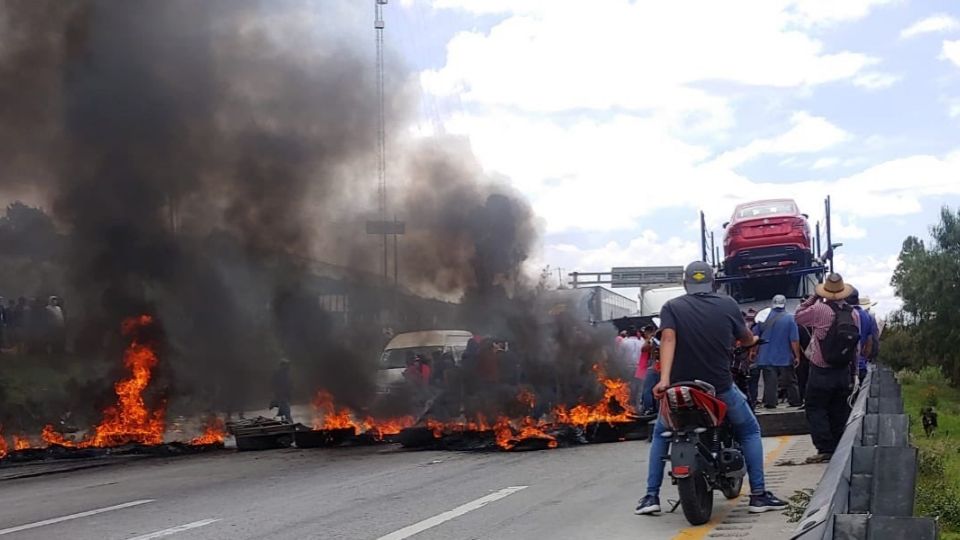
x=745 y=429
x=649 y=381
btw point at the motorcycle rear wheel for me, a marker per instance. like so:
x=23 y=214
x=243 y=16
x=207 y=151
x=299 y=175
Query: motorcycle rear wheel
x=696 y=498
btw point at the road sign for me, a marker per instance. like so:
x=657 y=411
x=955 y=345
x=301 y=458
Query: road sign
x=643 y=276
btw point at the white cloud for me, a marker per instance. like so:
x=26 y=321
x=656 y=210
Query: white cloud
x=825 y=163
x=808 y=12
x=951 y=51
x=954 y=109
x=557 y=56
x=871 y=276
x=844 y=229
x=808 y=134
x=933 y=24
x=610 y=175
x=875 y=80
x=647 y=249
x=833 y=11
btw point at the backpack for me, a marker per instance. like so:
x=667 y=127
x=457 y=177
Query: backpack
x=839 y=346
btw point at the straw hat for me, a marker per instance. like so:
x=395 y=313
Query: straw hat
x=834 y=288
x=866 y=303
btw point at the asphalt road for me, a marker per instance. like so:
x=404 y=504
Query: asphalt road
x=351 y=493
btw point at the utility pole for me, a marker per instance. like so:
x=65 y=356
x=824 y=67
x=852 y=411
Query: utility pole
x=382 y=226
x=381 y=129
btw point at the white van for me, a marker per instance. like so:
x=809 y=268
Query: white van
x=393 y=360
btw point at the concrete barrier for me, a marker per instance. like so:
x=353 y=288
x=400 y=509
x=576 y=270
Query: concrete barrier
x=867 y=491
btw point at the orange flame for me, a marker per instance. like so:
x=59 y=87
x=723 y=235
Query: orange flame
x=329 y=416
x=3 y=444
x=508 y=437
x=129 y=420
x=213 y=433
x=614 y=407
x=382 y=427
x=20 y=443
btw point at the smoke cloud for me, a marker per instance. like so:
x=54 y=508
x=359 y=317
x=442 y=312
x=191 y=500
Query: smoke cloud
x=206 y=158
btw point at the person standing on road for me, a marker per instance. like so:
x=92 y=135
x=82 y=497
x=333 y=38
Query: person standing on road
x=779 y=357
x=753 y=374
x=629 y=351
x=699 y=330
x=833 y=362
x=282 y=391
x=648 y=359
x=868 y=334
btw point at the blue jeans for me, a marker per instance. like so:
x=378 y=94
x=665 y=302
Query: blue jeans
x=649 y=381
x=745 y=429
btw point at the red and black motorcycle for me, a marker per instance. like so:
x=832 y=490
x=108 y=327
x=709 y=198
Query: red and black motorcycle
x=704 y=454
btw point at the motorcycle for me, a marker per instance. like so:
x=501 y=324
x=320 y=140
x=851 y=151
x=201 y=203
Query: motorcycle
x=704 y=454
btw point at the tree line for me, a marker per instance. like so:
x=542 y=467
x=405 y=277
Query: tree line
x=926 y=330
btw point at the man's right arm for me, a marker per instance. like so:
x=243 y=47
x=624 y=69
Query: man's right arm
x=806 y=312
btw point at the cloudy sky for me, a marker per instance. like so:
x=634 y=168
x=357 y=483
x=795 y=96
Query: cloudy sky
x=620 y=120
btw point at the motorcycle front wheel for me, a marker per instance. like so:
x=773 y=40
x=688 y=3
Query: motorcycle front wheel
x=696 y=498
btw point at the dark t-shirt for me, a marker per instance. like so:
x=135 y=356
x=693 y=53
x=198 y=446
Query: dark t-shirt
x=707 y=326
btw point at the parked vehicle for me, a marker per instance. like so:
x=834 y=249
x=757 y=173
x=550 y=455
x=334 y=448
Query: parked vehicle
x=587 y=304
x=766 y=235
x=704 y=454
x=652 y=300
x=394 y=356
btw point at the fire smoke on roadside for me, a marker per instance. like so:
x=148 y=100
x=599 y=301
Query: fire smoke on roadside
x=202 y=156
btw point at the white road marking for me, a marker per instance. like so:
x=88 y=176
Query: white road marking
x=79 y=515
x=428 y=523
x=175 y=530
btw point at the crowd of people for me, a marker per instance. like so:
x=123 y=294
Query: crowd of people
x=33 y=325
x=813 y=359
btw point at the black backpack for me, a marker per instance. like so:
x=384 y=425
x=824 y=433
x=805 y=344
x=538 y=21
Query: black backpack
x=839 y=346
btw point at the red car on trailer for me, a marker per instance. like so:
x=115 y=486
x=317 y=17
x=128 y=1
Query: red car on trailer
x=764 y=236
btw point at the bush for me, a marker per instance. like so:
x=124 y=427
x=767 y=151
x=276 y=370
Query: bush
x=932 y=462
x=932 y=375
x=939 y=499
x=930 y=396
x=907 y=377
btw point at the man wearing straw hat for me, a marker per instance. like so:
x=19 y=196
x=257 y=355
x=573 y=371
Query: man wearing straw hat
x=832 y=375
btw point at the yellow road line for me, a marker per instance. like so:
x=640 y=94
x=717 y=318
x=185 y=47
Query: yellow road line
x=700 y=532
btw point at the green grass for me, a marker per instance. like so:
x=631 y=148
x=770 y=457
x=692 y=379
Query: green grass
x=938 y=489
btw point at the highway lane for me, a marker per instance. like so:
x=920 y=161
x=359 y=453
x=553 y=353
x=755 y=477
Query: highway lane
x=348 y=493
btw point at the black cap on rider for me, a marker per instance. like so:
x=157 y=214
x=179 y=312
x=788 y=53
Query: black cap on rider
x=698 y=278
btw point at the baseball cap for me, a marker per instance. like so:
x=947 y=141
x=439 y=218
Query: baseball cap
x=698 y=278
x=779 y=301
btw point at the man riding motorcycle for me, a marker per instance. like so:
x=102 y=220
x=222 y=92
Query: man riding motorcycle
x=699 y=330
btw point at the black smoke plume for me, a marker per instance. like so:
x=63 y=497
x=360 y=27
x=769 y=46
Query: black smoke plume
x=205 y=159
